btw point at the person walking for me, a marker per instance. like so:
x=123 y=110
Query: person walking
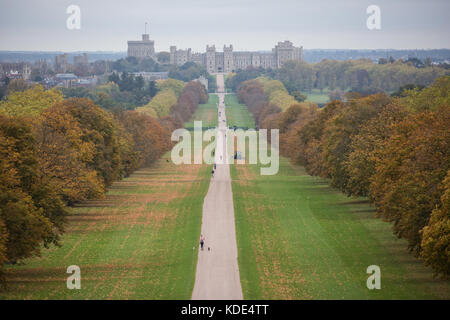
x=202 y=241
x=214 y=166
x=212 y=173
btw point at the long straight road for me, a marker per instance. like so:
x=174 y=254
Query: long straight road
x=217 y=276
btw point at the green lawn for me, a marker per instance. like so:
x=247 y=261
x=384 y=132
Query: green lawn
x=316 y=96
x=298 y=238
x=136 y=244
x=207 y=113
x=237 y=114
x=140 y=242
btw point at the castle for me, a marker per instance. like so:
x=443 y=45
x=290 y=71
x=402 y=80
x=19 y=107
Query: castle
x=225 y=61
x=144 y=48
x=230 y=60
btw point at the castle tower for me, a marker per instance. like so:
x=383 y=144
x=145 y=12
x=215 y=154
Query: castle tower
x=211 y=59
x=228 y=64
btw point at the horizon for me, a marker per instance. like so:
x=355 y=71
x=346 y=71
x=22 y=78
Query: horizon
x=261 y=50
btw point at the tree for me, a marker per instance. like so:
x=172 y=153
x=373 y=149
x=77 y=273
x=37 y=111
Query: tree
x=163 y=57
x=64 y=156
x=152 y=89
x=298 y=96
x=436 y=235
x=366 y=148
x=25 y=225
x=98 y=127
x=340 y=129
x=30 y=102
x=407 y=184
x=149 y=139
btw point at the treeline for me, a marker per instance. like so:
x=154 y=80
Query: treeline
x=121 y=92
x=168 y=92
x=395 y=151
x=56 y=152
x=361 y=76
x=191 y=71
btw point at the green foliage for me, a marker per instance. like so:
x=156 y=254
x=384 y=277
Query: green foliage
x=235 y=79
x=163 y=57
x=160 y=105
x=187 y=72
x=30 y=102
x=176 y=86
x=299 y=96
x=431 y=98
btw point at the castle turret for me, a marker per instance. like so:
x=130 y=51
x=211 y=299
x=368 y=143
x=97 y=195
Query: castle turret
x=228 y=64
x=211 y=59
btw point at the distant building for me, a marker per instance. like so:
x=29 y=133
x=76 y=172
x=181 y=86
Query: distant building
x=150 y=76
x=66 y=79
x=16 y=70
x=81 y=64
x=179 y=57
x=61 y=63
x=144 y=48
x=230 y=60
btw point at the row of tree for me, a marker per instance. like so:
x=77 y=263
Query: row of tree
x=55 y=152
x=362 y=76
x=393 y=150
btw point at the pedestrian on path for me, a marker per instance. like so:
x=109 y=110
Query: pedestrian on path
x=214 y=166
x=202 y=241
x=212 y=173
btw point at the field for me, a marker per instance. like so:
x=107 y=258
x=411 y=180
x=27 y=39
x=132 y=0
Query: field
x=207 y=113
x=237 y=114
x=317 y=97
x=136 y=244
x=300 y=239
x=140 y=242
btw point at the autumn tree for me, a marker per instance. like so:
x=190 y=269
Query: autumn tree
x=407 y=185
x=99 y=128
x=436 y=235
x=24 y=224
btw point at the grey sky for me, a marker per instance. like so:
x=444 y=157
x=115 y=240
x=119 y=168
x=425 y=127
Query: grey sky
x=247 y=24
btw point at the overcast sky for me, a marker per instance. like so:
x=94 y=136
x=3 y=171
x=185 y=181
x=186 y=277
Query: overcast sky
x=106 y=25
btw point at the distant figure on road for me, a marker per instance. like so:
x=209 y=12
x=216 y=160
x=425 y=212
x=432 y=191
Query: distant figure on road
x=214 y=166
x=202 y=241
x=212 y=173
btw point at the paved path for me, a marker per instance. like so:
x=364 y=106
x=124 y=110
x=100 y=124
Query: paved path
x=217 y=276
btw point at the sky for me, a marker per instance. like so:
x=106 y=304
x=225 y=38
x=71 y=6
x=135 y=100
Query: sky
x=253 y=25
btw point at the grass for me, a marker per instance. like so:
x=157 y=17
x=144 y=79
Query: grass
x=298 y=238
x=237 y=114
x=207 y=113
x=135 y=244
x=140 y=242
x=317 y=97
